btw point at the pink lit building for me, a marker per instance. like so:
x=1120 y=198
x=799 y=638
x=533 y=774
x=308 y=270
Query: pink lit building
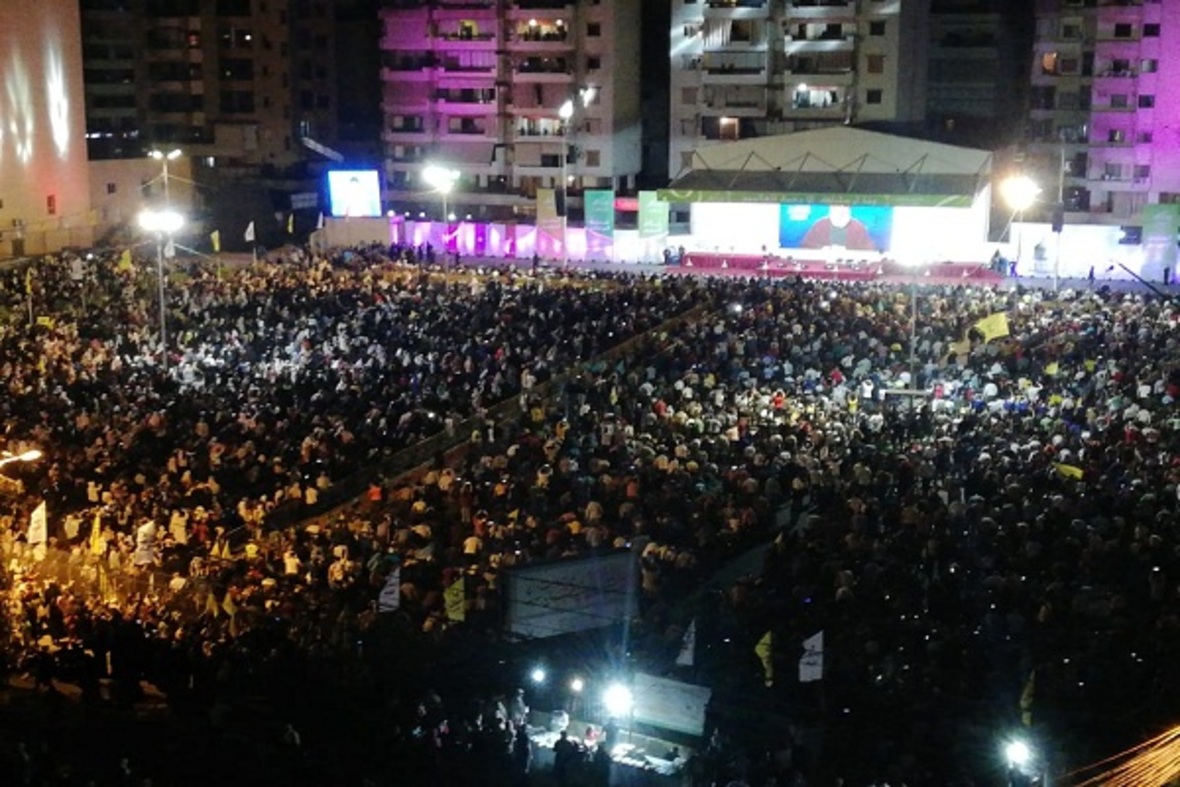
x=477 y=86
x=1105 y=107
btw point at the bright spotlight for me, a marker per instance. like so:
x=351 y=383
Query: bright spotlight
x=538 y=675
x=32 y=455
x=1020 y=192
x=166 y=221
x=576 y=685
x=1018 y=753
x=617 y=699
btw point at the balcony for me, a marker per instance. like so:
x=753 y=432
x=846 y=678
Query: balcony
x=737 y=9
x=842 y=43
x=466 y=133
x=543 y=70
x=461 y=40
x=822 y=9
x=734 y=68
x=733 y=108
x=1108 y=107
x=406 y=135
x=544 y=36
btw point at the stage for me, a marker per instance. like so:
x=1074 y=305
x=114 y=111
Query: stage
x=774 y=266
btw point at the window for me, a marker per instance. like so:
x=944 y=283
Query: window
x=686 y=159
x=1142 y=171
x=874 y=96
x=112 y=188
x=1151 y=30
x=1169 y=198
x=306 y=99
x=688 y=95
x=1049 y=65
x=1069 y=65
x=1144 y=137
x=323 y=102
x=237 y=101
x=237 y=69
x=593 y=158
x=877 y=28
x=1123 y=30
x=594 y=29
x=1112 y=171
x=593 y=63
x=876 y=64
x=51 y=204
x=1118 y=101
x=1146 y=102
x=1148 y=66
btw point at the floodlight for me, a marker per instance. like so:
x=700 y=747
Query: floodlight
x=617 y=699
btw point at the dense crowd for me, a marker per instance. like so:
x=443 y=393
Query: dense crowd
x=1015 y=519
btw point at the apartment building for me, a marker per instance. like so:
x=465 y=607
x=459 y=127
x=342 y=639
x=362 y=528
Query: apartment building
x=478 y=86
x=242 y=84
x=1104 y=123
x=747 y=68
x=978 y=59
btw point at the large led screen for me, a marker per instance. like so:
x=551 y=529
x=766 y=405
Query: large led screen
x=354 y=192
x=851 y=227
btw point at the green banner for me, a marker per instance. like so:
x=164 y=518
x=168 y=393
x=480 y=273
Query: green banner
x=600 y=212
x=816 y=198
x=1161 y=224
x=653 y=215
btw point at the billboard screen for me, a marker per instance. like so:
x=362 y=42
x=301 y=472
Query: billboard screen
x=565 y=596
x=852 y=227
x=354 y=192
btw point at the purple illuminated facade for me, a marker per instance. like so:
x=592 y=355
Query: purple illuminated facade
x=1105 y=106
x=477 y=85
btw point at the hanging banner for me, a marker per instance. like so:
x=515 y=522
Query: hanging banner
x=653 y=216
x=600 y=221
x=550 y=227
x=1160 y=226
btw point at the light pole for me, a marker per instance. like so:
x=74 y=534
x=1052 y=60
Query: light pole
x=913 y=264
x=566 y=112
x=164 y=158
x=161 y=223
x=442 y=180
x=1020 y=192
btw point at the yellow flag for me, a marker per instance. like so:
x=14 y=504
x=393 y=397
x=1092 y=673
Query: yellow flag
x=48 y=322
x=1069 y=471
x=454 y=599
x=1026 y=699
x=124 y=261
x=29 y=280
x=1052 y=368
x=993 y=326
x=211 y=605
x=291 y=224
x=215 y=239
x=229 y=606
x=762 y=649
x=97 y=545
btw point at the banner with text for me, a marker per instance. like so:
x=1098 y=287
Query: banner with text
x=653 y=216
x=600 y=221
x=550 y=227
x=1160 y=226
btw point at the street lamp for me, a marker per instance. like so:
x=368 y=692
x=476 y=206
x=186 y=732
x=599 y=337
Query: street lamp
x=1020 y=192
x=164 y=158
x=442 y=180
x=566 y=113
x=163 y=224
x=913 y=264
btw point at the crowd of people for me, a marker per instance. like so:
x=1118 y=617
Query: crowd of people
x=982 y=527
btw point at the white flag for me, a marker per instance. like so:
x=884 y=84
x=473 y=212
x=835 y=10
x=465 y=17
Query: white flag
x=169 y=249
x=319 y=225
x=250 y=232
x=391 y=595
x=811 y=666
x=688 y=646
x=39 y=525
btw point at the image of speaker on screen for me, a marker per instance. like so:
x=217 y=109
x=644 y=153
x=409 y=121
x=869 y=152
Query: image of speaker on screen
x=354 y=193
x=856 y=228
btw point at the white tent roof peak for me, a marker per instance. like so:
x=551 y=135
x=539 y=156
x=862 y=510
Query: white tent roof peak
x=841 y=149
